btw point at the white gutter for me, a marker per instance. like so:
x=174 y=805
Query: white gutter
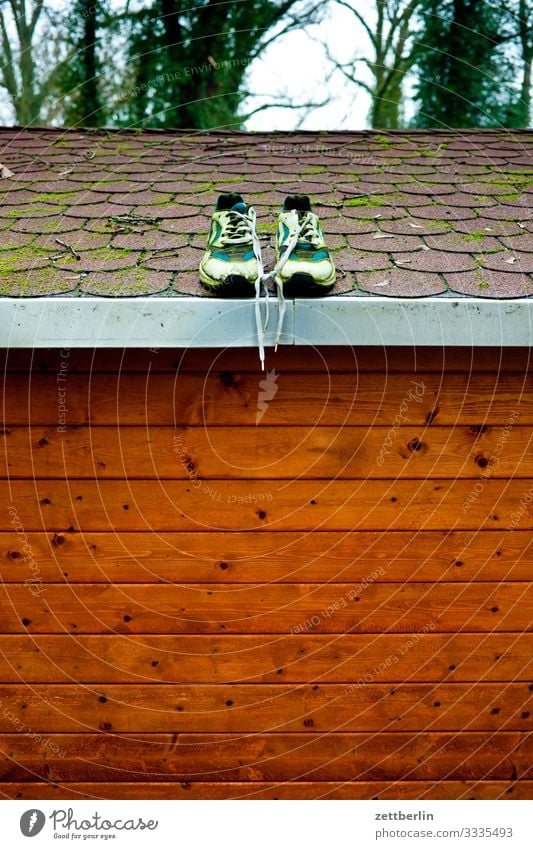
x=183 y=322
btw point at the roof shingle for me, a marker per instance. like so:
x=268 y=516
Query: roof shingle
x=126 y=213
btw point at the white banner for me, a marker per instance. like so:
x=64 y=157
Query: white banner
x=269 y=824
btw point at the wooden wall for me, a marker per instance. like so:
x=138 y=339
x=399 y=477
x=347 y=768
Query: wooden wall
x=332 y=602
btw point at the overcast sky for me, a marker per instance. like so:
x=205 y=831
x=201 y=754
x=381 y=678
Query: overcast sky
x=296 y=66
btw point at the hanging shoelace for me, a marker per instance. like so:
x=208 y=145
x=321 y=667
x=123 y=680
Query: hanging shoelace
x=239 y=227
x=303 y=229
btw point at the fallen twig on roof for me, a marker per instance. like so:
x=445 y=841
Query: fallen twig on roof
x=74 y=253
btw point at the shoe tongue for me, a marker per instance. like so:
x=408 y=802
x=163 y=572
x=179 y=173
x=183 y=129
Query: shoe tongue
x=228 y=201
x=299 y=203
x=240 y=207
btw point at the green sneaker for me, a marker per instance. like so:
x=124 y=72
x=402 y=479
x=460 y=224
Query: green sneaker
x=231 y=265
x=303 y=262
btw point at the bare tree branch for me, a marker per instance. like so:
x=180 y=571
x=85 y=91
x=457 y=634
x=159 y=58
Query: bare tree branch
x=360 y=18
x=393 y=53
x=8 y=71
x=19 y=71
x=283 y=105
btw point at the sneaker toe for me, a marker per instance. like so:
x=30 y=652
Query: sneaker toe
x=219 y=270
x=319 y=271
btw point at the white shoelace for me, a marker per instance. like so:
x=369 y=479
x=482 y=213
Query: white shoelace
x=306 y=227
x=275 y=275
x=247 y=225
x=236 y=233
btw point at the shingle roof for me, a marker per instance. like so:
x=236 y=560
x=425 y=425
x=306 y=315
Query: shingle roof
x=126 y=213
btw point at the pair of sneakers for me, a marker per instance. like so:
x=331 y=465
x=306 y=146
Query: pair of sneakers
x=232 y=265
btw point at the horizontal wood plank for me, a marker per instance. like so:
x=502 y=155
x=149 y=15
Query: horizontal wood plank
x=285 y=453
x=267 y=790
x=270 y=757
x=373 y=640
x=283 y=556
x=275 y=608
x=220 y=505
x=294 y=399
x=287 y=358
x=290 y=658
x=264 y=708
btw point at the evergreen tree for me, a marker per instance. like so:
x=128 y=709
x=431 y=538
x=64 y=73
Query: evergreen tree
x=465 y=78
x=80 y=81
x=522 y=12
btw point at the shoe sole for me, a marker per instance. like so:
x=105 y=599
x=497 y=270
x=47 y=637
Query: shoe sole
x=302 y=284
x=234 y=286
